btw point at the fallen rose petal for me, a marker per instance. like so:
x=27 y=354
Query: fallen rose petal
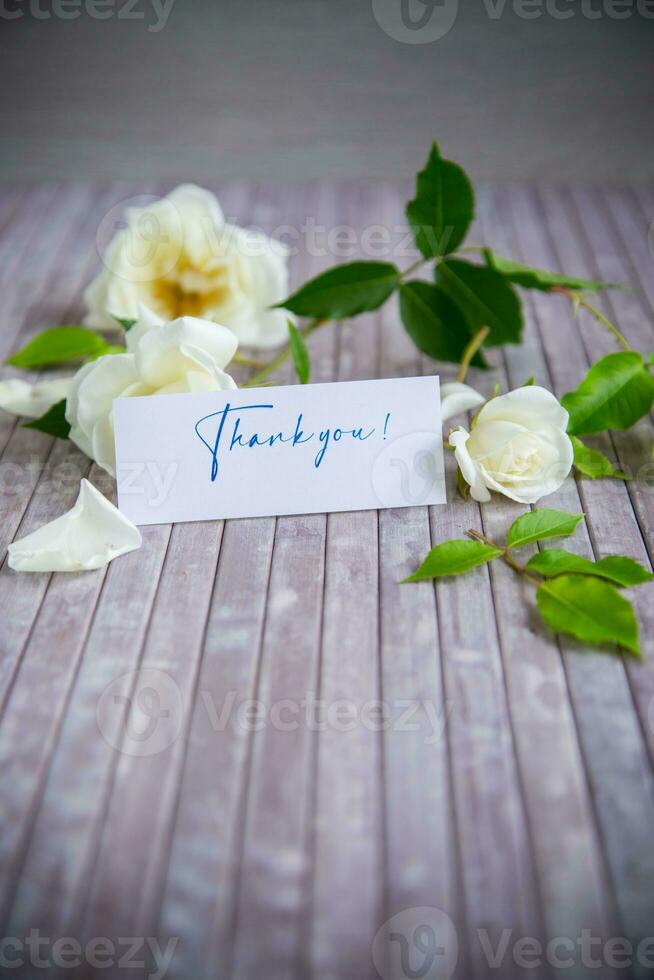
x=457 y=397
x=32 y=400
x=88 y=536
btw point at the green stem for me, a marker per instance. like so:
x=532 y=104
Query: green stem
x=506 y=556
x=578 y=300
x=471 y=349
x=469 y=248
x=413 y=267
x=270 y=368
x=436 y=259
x=277 y=362
x=250 y=362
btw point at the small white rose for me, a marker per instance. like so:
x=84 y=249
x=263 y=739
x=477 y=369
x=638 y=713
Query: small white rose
x=186 y=355
x=179 y=257
x=88 y=536
x=457 y=398
x=518 y=446
x=32 y=400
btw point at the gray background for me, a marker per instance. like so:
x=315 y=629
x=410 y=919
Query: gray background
x=285 y=89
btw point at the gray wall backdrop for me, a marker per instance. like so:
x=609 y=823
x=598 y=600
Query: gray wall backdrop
x=325 y=88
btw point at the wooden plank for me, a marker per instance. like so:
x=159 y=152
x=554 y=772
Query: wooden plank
x=631 y=213
x=36 y=716
x=22 y=217
x=597 y=684
x=284 y=851
x=77 y=593
x=349 y=849
x=421 y=853
x=274 y=874
x=26 y=451
x=209 y=834
x=497 y=870
x=53 y=821
x=572 y=888
x=129 y=894
x=622 y=224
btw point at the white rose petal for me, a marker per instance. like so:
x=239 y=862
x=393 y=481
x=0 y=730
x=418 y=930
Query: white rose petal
x=163 y=356
x=471 y=472
x=518 y=447
x=457 y=397
x=188 y=354
x=146 y=320
x=530 y=402
x=178 y=257
x=32 y=400
x=88 y=536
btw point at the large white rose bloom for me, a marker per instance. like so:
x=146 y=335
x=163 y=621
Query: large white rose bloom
x=188 y=354
x=178 y=257
x=518 y=446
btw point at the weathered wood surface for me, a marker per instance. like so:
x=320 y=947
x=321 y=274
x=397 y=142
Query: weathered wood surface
x=277 y=816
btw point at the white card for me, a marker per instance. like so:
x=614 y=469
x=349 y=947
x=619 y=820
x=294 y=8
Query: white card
x=297 y=449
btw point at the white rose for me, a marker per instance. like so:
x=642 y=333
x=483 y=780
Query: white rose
x=178 y=257
x=186 y=355
x=518 y=446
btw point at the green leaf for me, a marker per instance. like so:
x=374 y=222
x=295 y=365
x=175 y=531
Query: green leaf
x=529 y=382
x=125 y=323
x=443 y=207
x=484 y=298
x=530 y=278
x=593 y=463
x=617 y=569
x=617 y=391
x=454 y=558
x=299 y=353
x=434 y=323
x=590 y=610
x=461 y=484
x=345 y=290
x=540 y=524
x=59 y=345
x=53 y=423
x=650 y=359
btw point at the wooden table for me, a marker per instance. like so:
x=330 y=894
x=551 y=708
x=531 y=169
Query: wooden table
x=506 y=782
